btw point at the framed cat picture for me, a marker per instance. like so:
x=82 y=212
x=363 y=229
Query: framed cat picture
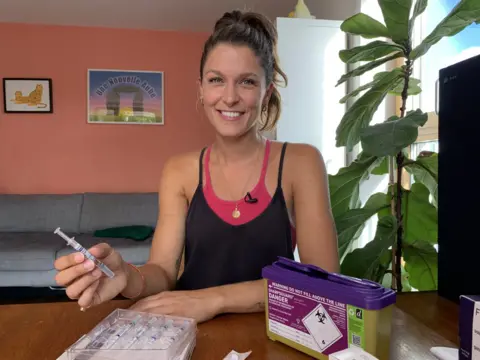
x=27 y=95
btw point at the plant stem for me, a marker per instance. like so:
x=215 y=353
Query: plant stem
x=408 y=70
x=399 y=215
x=399 y=193
x=391 y=183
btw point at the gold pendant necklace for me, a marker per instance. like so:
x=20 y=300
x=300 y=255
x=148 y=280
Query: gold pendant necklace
x=236 y=213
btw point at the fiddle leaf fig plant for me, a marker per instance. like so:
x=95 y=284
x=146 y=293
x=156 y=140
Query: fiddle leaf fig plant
x=402 y=252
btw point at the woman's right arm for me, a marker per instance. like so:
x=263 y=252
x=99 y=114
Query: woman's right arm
x=161 y=270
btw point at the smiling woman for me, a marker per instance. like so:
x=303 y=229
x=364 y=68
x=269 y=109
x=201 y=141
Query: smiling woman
x=232 y=207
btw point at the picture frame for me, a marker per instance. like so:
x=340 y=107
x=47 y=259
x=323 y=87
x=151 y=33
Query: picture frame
x=27 y=95
x=127 y=97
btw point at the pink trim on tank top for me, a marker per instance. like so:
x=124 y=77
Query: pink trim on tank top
x=224 y=208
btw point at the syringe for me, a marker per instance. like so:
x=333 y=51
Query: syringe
x=73 y=243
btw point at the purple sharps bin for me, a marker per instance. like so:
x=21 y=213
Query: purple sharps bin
x=320 y=313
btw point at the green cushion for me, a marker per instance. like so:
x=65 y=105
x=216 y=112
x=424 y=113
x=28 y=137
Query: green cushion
x=134 y=232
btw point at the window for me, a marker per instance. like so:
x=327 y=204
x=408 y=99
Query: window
x=448 y=51
x=420 y=146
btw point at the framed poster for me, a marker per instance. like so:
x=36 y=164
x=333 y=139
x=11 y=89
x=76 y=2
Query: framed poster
x=125 y=97
x=27 y=95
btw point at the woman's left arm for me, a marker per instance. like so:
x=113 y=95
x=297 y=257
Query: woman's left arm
x=204 y=304
x=316 y=233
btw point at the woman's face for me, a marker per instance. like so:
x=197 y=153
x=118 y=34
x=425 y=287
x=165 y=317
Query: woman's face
x=233 y=89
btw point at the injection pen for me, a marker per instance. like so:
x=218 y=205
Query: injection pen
x=73 y=243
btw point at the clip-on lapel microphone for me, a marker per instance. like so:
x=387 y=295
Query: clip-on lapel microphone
x=249 y=200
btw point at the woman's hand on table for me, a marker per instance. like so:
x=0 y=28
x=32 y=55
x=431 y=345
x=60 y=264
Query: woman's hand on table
x=201 y=305
x=85 y=282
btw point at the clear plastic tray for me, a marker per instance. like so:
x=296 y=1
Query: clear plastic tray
x=130 y=335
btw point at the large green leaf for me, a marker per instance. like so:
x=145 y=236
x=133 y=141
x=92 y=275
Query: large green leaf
x=396 y=15
x=420 y=6
x=421 y=263
x=361 y=112
x=413 y=85
x=357 y=91
x=345 y=185
x=372 y=51
x=381 y=169
x=365 y=26
x=364 y=262
x=390 y=137
x=425 y=171
x=384 y=264
x=465 y=13
x=350 y=224
x=367 y=67
x=420 y=217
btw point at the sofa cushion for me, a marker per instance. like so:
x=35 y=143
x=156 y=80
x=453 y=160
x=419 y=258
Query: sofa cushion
x=28 y=251
x=28 y=278
x=103 y=210
x=132 y=251
x=42 y=212
x=134 y=232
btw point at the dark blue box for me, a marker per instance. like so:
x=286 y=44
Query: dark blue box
x=469 y=327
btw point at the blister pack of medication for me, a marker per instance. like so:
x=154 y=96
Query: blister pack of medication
x=130 y=335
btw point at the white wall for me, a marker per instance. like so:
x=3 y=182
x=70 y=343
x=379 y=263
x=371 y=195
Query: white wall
x=327 y=10
x=308 y=52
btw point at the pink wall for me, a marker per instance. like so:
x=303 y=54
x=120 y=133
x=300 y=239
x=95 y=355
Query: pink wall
x=61 y=152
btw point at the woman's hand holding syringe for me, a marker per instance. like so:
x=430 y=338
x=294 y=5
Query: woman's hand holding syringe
x=92 y=276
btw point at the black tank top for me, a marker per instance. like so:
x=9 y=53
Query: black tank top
x=218 y=253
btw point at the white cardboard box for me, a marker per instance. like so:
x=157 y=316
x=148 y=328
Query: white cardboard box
x=352 y=353
x=185 y=355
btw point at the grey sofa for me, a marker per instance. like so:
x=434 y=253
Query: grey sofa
x=28 y=246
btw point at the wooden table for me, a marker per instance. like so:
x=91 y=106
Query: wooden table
x=43 y=331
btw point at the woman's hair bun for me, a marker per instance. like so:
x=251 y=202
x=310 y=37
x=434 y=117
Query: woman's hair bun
x=246 y=22
x=228 y=19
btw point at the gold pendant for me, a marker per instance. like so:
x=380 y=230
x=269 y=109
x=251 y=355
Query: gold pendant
x=236 y=213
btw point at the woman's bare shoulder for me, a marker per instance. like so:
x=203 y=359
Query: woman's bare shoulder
x=183 y=167
x=184 y=160
x=299 y=154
